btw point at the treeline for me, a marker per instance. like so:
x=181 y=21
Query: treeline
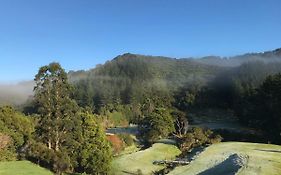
x=251 y=91
x=261 y=108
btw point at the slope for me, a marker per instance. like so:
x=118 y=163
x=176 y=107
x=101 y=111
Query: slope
x=235 y=157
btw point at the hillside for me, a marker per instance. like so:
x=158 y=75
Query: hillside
x=235 y=157
x=132 y=74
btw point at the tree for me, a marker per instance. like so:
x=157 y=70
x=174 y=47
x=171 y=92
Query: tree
x=56 y=108
x=156 y=125
x=181 y=123
x=15 y=130
x=261 y=108
x=74 y=140
x=93 y=154
x=269 y=105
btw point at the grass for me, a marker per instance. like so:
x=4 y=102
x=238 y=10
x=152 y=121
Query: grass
x=22 y=168
x=258 y=159
x=129 y=150
x=142 y=160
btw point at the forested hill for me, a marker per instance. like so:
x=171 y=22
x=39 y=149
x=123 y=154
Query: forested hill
x=156 y=69
x=130 y=78
x=165 y=67
x=266 y=57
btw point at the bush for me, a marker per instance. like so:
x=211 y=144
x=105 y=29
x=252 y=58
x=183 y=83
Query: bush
x=7 y=155
x=56 y=161
x=197 y=137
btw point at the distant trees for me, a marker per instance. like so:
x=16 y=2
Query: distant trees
x=261 y=108
x=131 y=79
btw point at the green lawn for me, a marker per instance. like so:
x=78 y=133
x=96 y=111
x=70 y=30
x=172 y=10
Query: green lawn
x=221 y=158
x=142 y=160
x=22 y=168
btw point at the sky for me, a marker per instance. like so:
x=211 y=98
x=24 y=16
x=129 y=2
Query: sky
x=80 y=34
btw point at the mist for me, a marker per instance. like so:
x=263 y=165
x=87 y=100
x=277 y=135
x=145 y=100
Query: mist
x=15 y=94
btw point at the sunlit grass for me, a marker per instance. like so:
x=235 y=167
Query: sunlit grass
x=143 y=160
x=22 y=168
x=261 y=159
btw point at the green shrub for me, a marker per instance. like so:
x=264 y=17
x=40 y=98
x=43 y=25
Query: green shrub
x=7 y=155
x=197 y=137
x=40 y=154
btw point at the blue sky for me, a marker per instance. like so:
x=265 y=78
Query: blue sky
x=82 y=33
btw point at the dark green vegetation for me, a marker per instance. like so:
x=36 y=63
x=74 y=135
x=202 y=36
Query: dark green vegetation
x=63 y=126
x=261 y=108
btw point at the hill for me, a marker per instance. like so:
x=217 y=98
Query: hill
x=266 y=57
x=126 y=77
x=235 y=157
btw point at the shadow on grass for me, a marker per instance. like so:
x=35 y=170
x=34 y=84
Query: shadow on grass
x=230 y=166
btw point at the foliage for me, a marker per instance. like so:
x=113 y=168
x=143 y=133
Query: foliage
x=15 y=130
x=70 y=139
x=130 y=79
x=157 y=124
x=93 y=154
x=56 y=108
x=261 y=108
x=197 y=137
x=40 y=154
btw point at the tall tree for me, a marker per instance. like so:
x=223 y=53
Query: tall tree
x=56 y=108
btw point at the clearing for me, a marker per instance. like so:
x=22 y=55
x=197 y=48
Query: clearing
x=229 y=158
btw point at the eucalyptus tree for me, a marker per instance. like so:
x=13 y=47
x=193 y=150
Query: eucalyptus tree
x=56 y=108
